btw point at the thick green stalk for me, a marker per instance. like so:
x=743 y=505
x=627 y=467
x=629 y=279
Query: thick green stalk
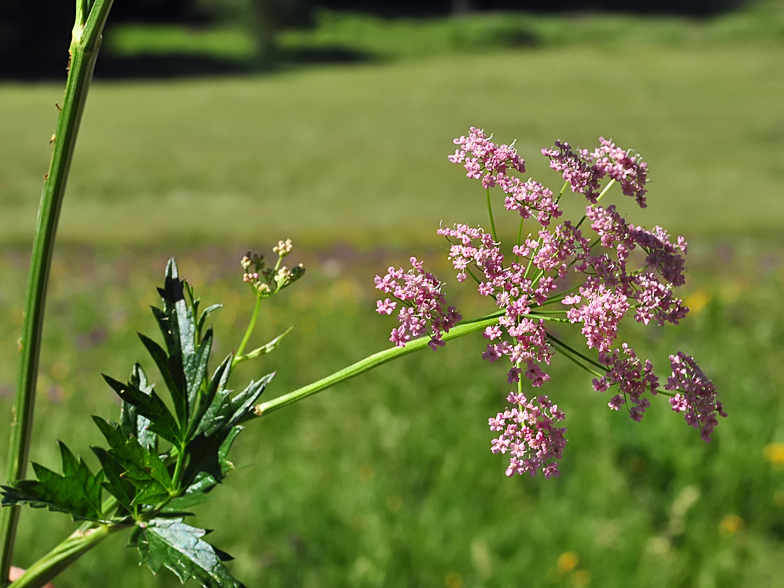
x=367 y=364
x=86 y=40
x=62 y=556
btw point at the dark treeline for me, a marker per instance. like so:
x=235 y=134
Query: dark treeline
x=34 y=34
x=443 y=7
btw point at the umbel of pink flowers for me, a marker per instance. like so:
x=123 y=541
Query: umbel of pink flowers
x=528 y=286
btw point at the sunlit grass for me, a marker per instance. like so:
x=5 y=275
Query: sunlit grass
x=388 y=479
x=359 y=153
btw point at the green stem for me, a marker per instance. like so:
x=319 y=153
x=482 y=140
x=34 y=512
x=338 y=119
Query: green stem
x=490 y=212
x=547 y=317
x=607 y=187
x=568 y=356
x=367 y=364
x=560 y=194
x=473 y=277
x=86 y=40
x=62 y=556
x=251 y=326
x=519 y=238
x=573 y=351
x=178 y=470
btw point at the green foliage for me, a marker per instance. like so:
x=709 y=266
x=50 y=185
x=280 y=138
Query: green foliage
x=149 y=488
x=140 y=466
x=375 y=38
x=388 y=479
x=77 y=491
x=180 y=548
x=201 y=167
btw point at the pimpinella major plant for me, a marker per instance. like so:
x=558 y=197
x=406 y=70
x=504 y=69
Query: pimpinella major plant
x=164 y=455
x=159 y=462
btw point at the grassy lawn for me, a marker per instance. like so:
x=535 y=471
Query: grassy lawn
x=388 y=480
x=359 y=153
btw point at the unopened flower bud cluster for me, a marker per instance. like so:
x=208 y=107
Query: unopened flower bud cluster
x=265 y=280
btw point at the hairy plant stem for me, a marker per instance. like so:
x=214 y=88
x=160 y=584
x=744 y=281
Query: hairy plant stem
x=367 y=364
x=86 y=40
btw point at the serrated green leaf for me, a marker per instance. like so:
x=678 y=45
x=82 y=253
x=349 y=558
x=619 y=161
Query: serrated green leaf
x=172 y=371
x=117 y=486
x=242 y=402
x=180 y=318
x=203 y=317
x=188 y=500
x=217 y=415
x=132 y=423
x=205 y=400
x=168 y=328
x=76 y=492
x=179 y=547
x=142 y=468
x=225 y=412
x=150 y=406
x=209 y=456
x=195 y=368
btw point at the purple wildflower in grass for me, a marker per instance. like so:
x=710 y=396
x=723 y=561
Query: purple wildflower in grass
x=696 y=397
x=424 y=310
x=530 y=434
x=527 y=284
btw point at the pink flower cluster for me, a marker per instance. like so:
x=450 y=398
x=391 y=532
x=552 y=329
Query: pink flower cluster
x=530 y=433
x=424 y=310
x=633 y=378
x=584 y=170
x=625 y=270
x=490 y=163
x=611 y=289
x=514 y=292
x=696 y=397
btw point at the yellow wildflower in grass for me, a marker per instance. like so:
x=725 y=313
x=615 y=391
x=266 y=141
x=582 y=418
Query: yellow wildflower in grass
x=730 y=525
x=567 y=562
x=698 y=300
x=774 y=453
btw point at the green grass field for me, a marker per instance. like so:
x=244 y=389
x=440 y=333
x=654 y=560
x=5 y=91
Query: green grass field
x=388 y=480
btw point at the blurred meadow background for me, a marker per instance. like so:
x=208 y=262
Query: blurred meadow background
x=209 y=132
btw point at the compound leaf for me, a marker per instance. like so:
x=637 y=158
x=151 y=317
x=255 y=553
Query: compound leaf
x=76 y=492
